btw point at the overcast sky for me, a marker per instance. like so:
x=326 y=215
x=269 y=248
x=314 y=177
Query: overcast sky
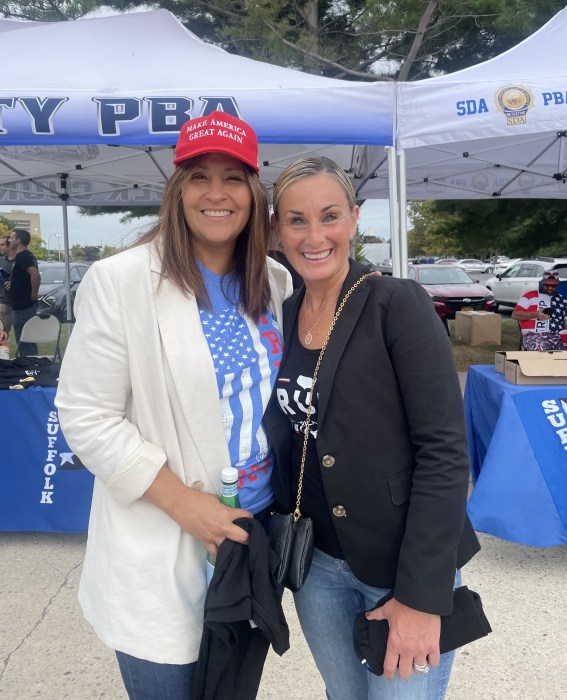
x=107 y=229
x=84 y=230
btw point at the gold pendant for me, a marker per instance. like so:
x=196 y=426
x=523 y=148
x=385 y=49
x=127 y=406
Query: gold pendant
x=308 y=338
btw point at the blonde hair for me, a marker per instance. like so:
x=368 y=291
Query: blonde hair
x=176 y=247
x=307 y=167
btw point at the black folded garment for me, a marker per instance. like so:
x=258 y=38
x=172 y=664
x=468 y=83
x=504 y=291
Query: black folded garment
x=23 y=372
x=465 y=624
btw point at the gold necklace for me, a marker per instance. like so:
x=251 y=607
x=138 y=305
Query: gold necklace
x=308 y=336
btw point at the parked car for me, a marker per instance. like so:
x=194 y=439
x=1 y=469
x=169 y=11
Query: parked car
x=52 y=293
x=503 y=264
x=521 y=277
x=499 y=259
x=446 y=261
x=383 y=267
x=452 y=289
x=474 y=265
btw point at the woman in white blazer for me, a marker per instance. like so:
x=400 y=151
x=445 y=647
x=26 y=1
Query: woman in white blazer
x=164 y=383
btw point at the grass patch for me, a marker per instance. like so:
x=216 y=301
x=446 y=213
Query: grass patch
x=466 y=355
x=45 y=348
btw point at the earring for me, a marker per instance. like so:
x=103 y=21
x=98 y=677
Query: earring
x=281 y=245
x=351 y=238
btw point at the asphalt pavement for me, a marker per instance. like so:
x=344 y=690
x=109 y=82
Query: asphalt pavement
x=47 y=650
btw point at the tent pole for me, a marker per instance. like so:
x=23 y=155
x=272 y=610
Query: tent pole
x=64 y=196
x=394 y=216
x=403 y=212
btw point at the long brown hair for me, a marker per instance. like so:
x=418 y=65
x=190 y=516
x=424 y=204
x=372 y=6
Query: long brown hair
x=174 y=241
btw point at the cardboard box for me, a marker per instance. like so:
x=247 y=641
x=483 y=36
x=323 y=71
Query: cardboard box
x=500 y=357
x=537 y=368
x=478 y=327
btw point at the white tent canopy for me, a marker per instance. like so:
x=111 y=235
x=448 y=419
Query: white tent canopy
x=90 y=111
x=497 y=129
x=101 y=101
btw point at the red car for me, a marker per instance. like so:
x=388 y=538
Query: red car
x=452 y=289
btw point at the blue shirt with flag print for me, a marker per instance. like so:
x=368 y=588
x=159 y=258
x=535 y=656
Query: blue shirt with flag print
x=246 y=357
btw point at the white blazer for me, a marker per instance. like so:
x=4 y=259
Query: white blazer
x=138 y=388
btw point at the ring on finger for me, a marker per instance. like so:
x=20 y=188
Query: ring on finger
x=421 y=668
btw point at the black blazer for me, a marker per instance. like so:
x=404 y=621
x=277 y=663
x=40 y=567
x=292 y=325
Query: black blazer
x=391 y=441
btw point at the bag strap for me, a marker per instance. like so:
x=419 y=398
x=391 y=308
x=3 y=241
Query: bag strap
x=297 y=511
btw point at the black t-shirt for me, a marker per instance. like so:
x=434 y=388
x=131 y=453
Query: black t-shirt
x=293 y=386
x=20 y=291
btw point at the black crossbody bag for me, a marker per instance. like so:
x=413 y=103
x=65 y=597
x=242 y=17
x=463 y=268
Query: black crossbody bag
x=291 y=535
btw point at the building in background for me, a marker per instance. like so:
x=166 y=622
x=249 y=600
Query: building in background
x=22 y=219
x=377 y=252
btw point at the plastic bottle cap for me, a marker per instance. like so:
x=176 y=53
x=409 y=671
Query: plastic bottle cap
x=229 y=475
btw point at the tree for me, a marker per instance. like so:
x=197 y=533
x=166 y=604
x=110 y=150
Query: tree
x=404 y=39
x=6 y=226
x=432 y=233
x=360 y=40
x=47 y=10
x=521 y=227
x=77 y=253
x=358 y=246
x=129 y=214
x=357 y=39
x=37 y=248
x=92 y=252
x=109 y=250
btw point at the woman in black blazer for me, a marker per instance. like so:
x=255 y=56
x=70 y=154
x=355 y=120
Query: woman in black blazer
x=387 y=469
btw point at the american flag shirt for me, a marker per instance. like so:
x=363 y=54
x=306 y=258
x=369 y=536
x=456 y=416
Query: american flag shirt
x=246 y=357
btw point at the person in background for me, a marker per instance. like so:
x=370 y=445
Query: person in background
x=164 y=383
x=387 y=467
x=6 y=265
x=542 y=313
x=4 y=346
x=23 y=286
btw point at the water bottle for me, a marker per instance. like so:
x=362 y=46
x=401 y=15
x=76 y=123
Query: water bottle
x=228 y=497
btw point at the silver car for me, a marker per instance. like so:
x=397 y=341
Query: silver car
x=521 y=277
x=474 y=265
x=502 y=264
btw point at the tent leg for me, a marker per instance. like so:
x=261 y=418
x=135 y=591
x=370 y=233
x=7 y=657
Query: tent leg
x=403 y=213
x=64 y=196
x=394 y=216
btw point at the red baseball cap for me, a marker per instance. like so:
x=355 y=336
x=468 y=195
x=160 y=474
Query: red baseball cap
x=218 y=132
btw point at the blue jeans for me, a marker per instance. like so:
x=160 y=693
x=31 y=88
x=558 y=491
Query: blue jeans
x=146 y=680
x=19 y=318
x=326 y=605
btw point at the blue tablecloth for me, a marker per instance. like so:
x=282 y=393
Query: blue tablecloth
x=518 y=446
x=44 y=485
